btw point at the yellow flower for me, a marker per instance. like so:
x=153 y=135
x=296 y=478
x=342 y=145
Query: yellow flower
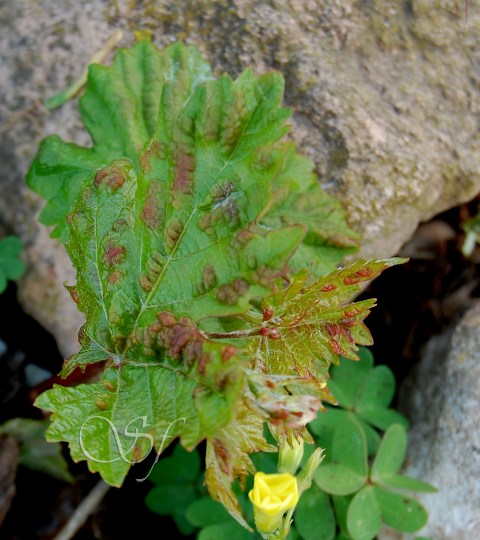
x=272 y=495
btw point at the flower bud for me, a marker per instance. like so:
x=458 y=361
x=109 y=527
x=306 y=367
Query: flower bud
x=306 y=475
x=272 y=495
x=289 y=457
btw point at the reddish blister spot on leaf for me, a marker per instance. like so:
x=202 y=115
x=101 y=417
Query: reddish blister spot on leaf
x=267 y=314
x=332 y=329
x=351 y=280
x=74 y=294
x=335 y=346
x=230 y=293
x=167 y=318
x=223 y=455
x=202 y=361
x=137 y=454
x=114 y=277
x=173 y=232
x=110 y=177
x=100 y=404
x=243 y=237
x=328 y=288
x=113 y=254
x=209 y=277
x=228 y=352
x=349 y=322
x=182 y=339
x=108 y=385
x=364 y=272
x=151 y=213
x=183 y=182
x=145 y=283
x=155 y=148
x=352 y=312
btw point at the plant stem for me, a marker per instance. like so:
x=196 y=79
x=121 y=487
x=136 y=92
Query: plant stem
x=234 y=334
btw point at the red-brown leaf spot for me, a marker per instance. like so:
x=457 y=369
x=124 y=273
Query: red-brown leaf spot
x=173 y=232
x=113 y=254
x=151 y=213
x=209 y=277
x=184 y=177
x=111 y=177
x=231 y=292
x=114 y=277
x=328 y=288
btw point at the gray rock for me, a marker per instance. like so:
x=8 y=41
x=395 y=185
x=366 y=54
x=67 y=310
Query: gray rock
x=386 y=97
x=441 y=399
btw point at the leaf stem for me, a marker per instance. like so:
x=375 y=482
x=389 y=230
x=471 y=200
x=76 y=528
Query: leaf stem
x=234 y=334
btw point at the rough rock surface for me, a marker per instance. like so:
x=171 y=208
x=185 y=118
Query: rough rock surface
x=441 y=400
x=386 y=96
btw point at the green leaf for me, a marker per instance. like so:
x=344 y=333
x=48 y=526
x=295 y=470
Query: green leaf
x=367 y=392
x=116 y=421
x=346 y=471
x=121 y=110
x=379 y=388
x=375 y=396
x=388 y=462
x=328 y=239
x=314 y=518
x=382 y=418
x=391 y=452
x=400 y=512
x=348 y=377
x=169 y=498
x=35 y=452
x=204 y=512
x=325 y=424
x=181 y=466
x=397 y=481
x=371 y=435
x=340 y=506
x=229 y=530
x=308 y=327
x=11 y=266
x=183 y=525
x=363 y=516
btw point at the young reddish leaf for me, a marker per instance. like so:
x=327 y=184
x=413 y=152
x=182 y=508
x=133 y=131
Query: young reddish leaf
x=309 y=326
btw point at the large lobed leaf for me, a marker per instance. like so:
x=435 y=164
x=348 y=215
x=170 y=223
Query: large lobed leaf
x=163 y=223
x=187 y=209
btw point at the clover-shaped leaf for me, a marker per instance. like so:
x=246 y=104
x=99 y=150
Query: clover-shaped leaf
x=363 y=517
x=399 y=511
x=205 y=511
x=366 y=392
x=315 y=519
x=345 y=470
x=389 y=459
x=176 y=480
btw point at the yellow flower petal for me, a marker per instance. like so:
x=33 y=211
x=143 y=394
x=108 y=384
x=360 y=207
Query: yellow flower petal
x=272 y=495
